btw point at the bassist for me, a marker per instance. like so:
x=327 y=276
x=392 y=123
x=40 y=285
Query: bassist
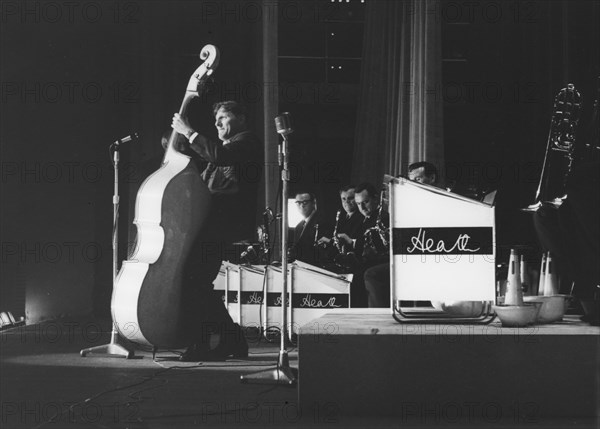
x=232 y=169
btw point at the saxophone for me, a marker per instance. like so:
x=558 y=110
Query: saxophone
x=265 y=243
x=346 y=261
x=560 y=150
x=376 y=237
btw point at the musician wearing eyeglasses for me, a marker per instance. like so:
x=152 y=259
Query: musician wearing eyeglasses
x=305 y=244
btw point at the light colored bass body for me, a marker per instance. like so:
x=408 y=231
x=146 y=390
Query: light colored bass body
x=171 y=208
x=147 y=302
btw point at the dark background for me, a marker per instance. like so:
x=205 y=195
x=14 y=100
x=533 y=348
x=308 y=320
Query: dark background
x=73 y=83
x=128 y=64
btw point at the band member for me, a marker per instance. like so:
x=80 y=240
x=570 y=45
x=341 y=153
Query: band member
x=423 y=172
x=377 y=277
x=366 y=249
x=231 y=168
x=348 y=222
x=305 y=245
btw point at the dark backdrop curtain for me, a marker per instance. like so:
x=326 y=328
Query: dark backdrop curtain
x=400 y=103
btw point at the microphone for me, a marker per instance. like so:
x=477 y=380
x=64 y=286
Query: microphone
x=127 y=139
x=283 y=124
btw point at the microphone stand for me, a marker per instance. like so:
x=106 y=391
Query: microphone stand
x=113 y=349
x=283 y=373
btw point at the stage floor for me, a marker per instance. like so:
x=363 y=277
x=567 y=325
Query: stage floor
x=44 y=383
x=447 y=374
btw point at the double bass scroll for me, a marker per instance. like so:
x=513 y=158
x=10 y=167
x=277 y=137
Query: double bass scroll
x=171 y=207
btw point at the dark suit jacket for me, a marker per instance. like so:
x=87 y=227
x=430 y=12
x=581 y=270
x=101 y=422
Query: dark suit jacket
x=305 y=237
x=367 y=256
x=352 y=225
x=232 y=173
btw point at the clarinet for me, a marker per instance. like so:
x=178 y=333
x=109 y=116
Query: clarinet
x=336 y=240
x=266 y=245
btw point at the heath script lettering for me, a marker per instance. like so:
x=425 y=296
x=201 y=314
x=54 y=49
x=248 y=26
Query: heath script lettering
x=428 y=245
x=309 y=302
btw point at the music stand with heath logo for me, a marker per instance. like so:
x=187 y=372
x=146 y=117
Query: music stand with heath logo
x=443 y=251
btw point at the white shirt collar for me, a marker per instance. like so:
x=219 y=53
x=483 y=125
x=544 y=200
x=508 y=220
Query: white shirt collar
x=310 y=216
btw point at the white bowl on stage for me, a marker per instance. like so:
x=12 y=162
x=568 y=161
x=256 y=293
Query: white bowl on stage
x=518 y=315
x=552 y=309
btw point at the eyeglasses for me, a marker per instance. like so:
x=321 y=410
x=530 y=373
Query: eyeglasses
x=303 y=203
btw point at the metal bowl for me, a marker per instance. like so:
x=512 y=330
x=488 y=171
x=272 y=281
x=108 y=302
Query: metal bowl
x=518 y=315
x=552 y=308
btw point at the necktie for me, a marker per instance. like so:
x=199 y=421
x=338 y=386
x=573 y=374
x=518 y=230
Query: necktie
x=301 y=227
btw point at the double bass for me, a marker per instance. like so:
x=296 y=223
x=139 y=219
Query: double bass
x=171 y=207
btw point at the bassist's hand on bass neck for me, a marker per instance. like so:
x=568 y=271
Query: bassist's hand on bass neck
x=184 y=135
x=183 y=127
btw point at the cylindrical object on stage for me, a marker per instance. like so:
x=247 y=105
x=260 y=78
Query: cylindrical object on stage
x=551 y=278
x=542 y=281
x=501 y=288
x=514 y=291
x=525 y=277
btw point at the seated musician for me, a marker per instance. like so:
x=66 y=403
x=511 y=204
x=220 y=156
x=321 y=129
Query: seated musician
x=423 y=172
x=349 y=221
x=366 y=249
x=377 y=278
x=231 y=168
x=305 y=246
